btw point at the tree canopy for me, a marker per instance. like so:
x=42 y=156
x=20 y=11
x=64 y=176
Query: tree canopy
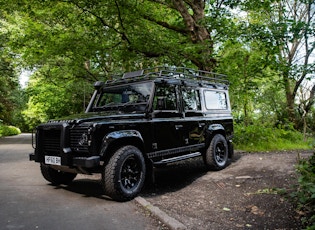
x=8 y=81
x=265 y=47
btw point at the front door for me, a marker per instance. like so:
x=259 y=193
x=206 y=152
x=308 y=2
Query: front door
x=167 y=120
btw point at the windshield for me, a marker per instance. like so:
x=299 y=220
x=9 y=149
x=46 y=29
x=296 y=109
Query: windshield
x=133 y=97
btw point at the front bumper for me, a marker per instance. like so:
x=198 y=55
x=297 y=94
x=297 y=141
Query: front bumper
x=86 y=162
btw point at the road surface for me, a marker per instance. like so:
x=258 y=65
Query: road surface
x=27 y=201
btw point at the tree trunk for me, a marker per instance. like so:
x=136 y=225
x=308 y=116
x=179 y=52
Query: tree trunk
x=307 y=109
x=198 y=33
x=289 y=101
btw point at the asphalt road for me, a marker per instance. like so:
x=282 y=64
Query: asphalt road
x=27 y=201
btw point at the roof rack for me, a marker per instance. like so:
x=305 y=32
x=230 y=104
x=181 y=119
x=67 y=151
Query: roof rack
x=165 y=72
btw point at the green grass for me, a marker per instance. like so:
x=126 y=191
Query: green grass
x=260 y=138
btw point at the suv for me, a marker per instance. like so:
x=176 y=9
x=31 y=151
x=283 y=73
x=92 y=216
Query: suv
x=138 y=121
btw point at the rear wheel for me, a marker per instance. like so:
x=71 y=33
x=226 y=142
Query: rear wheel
x=216 y=157
x=56 y=177
x=124 y=175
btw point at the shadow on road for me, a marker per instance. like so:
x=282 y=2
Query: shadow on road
x=176 y=176
x=170 y=178
x=85 y=187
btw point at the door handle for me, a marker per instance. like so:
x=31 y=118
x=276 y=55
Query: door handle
x=201 y=124
x=177 y=127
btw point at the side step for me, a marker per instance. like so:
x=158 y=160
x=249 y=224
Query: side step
x=178 y=158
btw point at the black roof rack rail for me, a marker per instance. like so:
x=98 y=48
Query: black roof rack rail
x=183 y=73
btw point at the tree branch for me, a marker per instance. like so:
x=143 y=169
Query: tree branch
x=198 y=33
x=181 y=8
x=101 y=20
x=163 y=3
x=308 y=51
x=311 y=100
x=124 y=36
x=166 y=25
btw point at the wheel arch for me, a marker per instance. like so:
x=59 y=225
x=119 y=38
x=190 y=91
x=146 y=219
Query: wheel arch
x=114 y=140
x=214 y=129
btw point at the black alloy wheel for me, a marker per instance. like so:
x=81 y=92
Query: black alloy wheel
x=123 y=176
x=216 y=156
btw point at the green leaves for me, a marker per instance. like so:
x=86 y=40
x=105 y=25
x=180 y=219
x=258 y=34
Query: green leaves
x=8 y=130
x=257 y=43
x=53 y=99
x=305 y=194
x=8 y=85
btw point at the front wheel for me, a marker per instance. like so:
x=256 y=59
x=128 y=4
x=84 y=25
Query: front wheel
x=216 y=157
x=56 y=177
x=123 y=176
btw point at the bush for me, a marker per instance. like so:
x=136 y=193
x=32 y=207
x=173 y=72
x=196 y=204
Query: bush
x=305 y=194
x=8 y=130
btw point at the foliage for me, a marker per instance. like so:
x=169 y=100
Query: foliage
x=265 y=47
x=260 y=137
x=119 y=35
x=8 y=130
x=254 y=85
x=9 y=87
x=11 y=95
x=81 y=41
x=305 y=194
x=54 y=99
x=286 y=28
x=70 y=44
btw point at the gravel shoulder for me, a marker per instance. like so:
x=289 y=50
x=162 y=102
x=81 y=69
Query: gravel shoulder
x=245 y=195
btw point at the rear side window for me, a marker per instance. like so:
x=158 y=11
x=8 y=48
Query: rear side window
x=191 y=99
x=165 y=97
x=215 y=100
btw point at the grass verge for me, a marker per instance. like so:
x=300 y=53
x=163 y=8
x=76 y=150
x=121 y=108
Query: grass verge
x=260 y=138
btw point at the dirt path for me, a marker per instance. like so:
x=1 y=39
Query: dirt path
x=245 y=195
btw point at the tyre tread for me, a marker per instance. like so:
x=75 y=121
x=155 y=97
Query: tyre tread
x=109 y=182
x=209 y=157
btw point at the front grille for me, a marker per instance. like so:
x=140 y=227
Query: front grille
x=51 y=141
x=54 y=139
x=79 y=138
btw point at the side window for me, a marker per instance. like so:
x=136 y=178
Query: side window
x=215 y=100
x=165 y=98
x=191 y=99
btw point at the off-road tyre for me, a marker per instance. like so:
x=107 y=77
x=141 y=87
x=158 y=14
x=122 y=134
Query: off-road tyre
x=217 y=154
x=124 y=175
x=56 y=177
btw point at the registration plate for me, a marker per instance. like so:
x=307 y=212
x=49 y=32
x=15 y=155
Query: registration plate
x=52 y=160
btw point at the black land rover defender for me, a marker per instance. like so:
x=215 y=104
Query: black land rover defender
x=137 y=121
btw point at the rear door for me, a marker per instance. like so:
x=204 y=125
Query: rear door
x=194 y=124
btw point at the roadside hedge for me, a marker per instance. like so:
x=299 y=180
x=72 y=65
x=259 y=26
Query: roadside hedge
x=8 y=130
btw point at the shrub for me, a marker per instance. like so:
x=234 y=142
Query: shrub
x=8 y=130
x=305 y=194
